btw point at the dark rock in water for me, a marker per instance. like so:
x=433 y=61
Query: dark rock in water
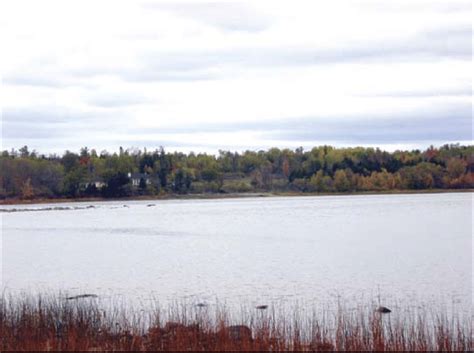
x=150 y=205
x=261 y=307
x=81 y=296
x=59 y=208
x=383 y=310
x=59 y=328
x=90 y=206
x=125 y=206
x=201 y=305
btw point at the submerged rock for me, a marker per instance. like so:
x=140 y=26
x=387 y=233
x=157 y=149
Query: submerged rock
x=58 y=208
x=261 y=307
x=383 y=310
x=81 y=296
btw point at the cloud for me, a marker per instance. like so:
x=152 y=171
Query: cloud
x=192 y=65
x=41 y=115
x=461 y=92
x=451 y=122
x=32 y=80
x=439 y=122
x=49 y=130
x=23 y=125
x=236 y=73
x=116 y=100
x=419 y=6
x=227 y=16
x=195 y=64
x=382 y=131
x=48 y=122
x=21 y=134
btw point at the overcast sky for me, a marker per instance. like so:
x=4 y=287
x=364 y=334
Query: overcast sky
x=204 y=76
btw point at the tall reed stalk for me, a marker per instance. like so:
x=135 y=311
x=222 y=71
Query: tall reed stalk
x=52 y=323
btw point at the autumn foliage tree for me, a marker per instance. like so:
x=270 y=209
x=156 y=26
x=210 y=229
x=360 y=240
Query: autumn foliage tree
x=27 y=174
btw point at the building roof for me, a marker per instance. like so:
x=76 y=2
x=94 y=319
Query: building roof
x=139 y=176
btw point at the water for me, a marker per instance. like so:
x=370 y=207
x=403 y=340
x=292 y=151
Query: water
x=401 y=248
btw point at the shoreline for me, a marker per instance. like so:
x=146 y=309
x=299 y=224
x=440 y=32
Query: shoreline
x=217 y=196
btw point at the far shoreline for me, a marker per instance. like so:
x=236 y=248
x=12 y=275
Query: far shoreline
x=217 y=196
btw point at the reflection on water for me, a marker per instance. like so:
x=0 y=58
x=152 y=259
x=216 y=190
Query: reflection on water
x=408 y=248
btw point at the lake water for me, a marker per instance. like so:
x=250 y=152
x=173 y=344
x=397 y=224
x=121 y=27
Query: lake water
x=402 y=248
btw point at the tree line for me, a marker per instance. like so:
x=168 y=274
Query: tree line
x=28 y=175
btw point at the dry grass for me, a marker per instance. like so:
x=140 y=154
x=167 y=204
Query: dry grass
x=54 y=323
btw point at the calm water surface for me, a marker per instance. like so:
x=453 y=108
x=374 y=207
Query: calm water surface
x=408 y=248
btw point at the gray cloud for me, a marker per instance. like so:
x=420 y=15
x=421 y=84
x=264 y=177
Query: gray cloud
x=411 y=6
x=446 y=122
x=103 y=120
x=35 y=80
x=24 y=133
x=442 y=123
x=116 y=100
x=423 y=93
x=40 y=115
x=154 y=73
x=54 y=122
x=382 y=131
x=228 y=16
x=212 y=64
x=453 y=42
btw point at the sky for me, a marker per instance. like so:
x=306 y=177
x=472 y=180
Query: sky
x=203 y=76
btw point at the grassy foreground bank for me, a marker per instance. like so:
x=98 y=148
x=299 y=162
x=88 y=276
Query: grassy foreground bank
x=79 y=324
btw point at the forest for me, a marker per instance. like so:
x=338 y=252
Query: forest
x=28 y=175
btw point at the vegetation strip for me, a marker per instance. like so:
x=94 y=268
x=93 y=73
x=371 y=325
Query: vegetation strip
x=79 y=324
x=26 y=175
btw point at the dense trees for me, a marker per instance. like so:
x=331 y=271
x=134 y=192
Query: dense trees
x=26 y=174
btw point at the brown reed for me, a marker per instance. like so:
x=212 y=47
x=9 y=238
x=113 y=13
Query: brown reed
x=53 y=323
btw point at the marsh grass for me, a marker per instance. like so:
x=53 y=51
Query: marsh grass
x=51 y=322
